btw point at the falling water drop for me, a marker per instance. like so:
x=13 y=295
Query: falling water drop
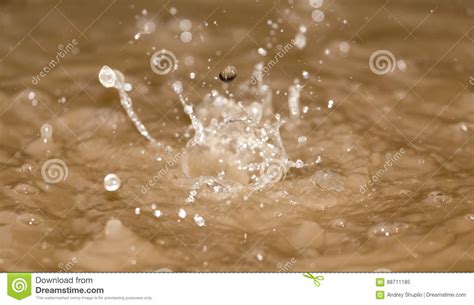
x=228 y=74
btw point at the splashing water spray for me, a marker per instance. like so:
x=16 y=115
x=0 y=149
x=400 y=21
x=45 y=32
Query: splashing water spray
x=241 y=143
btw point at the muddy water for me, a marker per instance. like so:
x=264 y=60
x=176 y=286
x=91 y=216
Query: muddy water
x=391 y=187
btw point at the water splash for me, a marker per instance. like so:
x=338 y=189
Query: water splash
x=113 y=78
x=240 y=138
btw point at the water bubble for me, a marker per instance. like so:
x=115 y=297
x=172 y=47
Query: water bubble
x=182 y=213
x=199 y=220
x=177 y=87
x=387 y=229
x=439 y=197
x=30 y=219
x=192 y=75
x=173 y=11
x=328 y=180
x=316 y=3
x=299 y=163
x=305 y=74
x=113 y=228
x=112 y=182
x=137 y=211
x=401 y=65
x=157 y=213
x=185 y=25
x=317 y=15
x=262 y=52
x=46 y=132
x=107 y=77
x=344 y=46
x=228 y=74
x=186 y=36
x=300 y=40
x=302 y=140
x=259 y=257
x=330 y=104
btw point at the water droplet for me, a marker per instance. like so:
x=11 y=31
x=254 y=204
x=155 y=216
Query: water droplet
x=177 y=87
x=344 y=47
x=228 y=74
x=316 y=3
x=107 y=77
x=112 y=182
x=185 y=25
x=302 y=140
x=300 y=40
x=186 y=36
x=199 y=220
x=46 y=132
x=192 y=75
x=305 y=74
x=157 y=213
x=182 y=213
x=317 y=15
x=330 y=104
x=259 y=257
x=262 y=52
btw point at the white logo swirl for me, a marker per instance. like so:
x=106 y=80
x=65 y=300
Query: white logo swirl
x=54 y=171
x=163 y=62
x=382 y=62
x=19 y=285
